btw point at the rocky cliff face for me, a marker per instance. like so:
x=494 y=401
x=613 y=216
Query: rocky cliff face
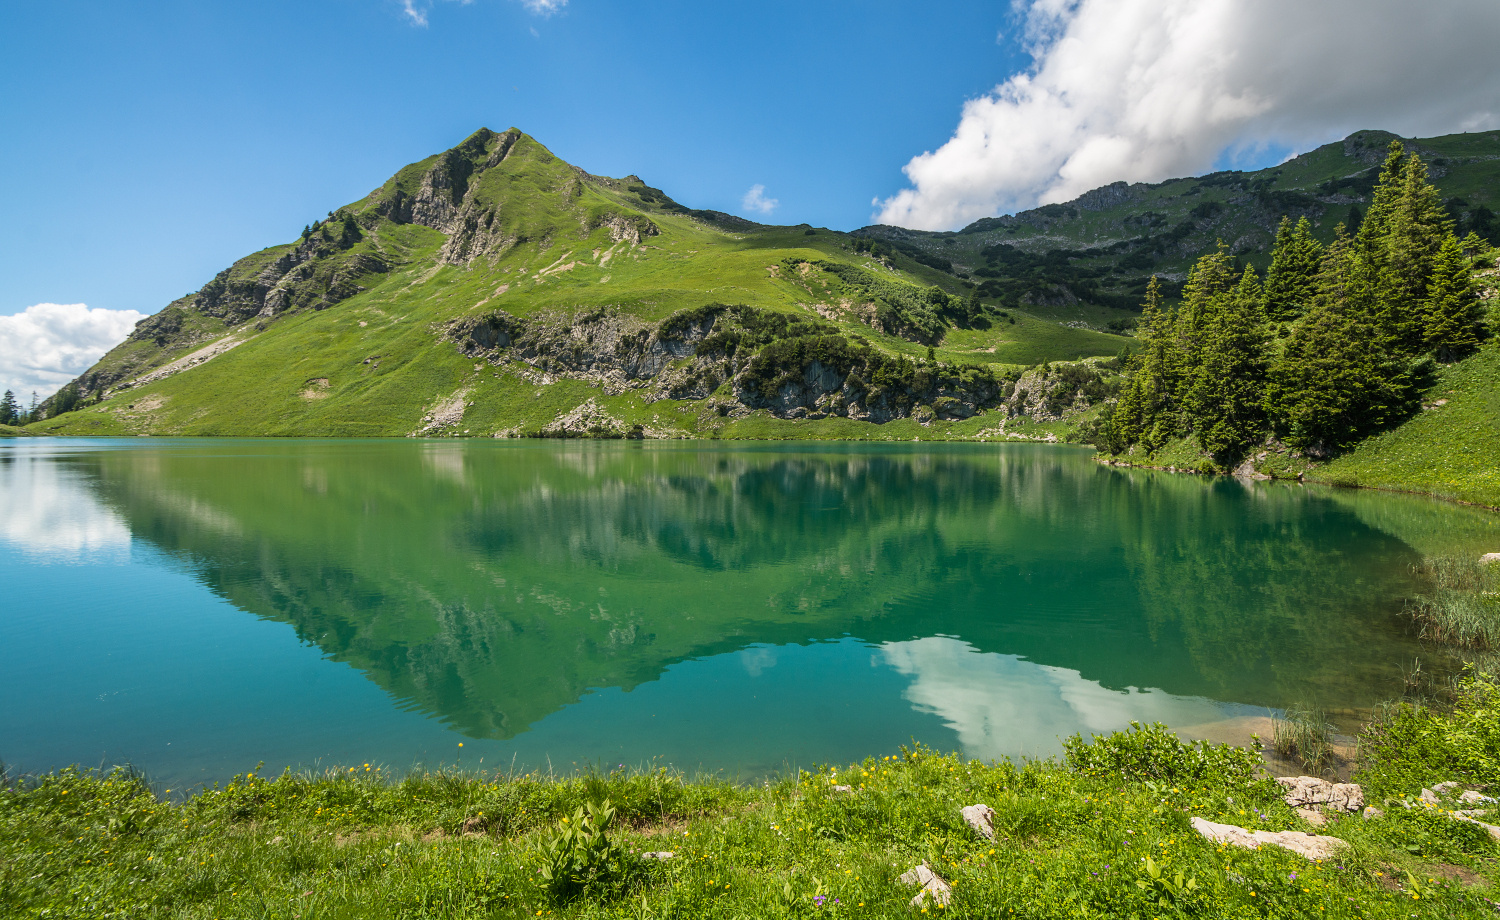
x=747 y=359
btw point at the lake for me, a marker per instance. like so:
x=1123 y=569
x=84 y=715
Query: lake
x=196 y=607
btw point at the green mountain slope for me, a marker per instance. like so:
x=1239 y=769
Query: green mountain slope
x=494 y=288
x=1089 y=259
x=1452 y=449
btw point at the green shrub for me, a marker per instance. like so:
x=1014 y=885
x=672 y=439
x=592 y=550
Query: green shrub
x=1153 y=753
x=1407 y=747
x=579 y=858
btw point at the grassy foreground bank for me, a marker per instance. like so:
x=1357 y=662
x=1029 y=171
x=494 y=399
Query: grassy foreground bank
x=1104 y=832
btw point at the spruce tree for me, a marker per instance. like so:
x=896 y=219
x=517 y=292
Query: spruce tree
x=1453 y=313
x=1147 y=411
x=1292 y=279
x=1336 y=382
x=1211 y=276
x=1416 y=229
x=1224 y=402
x=10 y=410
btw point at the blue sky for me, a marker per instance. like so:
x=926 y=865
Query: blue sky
x=151 y=144
x=147 y=145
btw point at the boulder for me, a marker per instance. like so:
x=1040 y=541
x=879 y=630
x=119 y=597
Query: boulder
x=982 y=819
x=1347 y=797
x=933 y=886
x=1311 y=846
x=1307 y=791
x=1470 y=797
x=658 y=854
x=1488 y=558
x=847 y=790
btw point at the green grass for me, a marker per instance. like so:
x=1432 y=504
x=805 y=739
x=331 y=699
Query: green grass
x=1449 y=451
x=11 y=431
x=1073 y=840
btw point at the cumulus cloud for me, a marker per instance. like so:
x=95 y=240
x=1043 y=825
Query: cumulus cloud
x=756 y=200
x=1143 y=90
x=544 y=7
x=48 y=344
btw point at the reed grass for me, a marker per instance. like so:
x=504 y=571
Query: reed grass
x=1463 y=607
x=1304 y=735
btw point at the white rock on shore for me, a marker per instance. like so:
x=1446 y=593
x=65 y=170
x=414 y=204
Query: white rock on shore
x=1308 y=791
x=1310 y=846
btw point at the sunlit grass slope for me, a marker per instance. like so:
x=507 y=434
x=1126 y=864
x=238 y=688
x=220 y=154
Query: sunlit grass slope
x=1452 y=449
x=534 y=237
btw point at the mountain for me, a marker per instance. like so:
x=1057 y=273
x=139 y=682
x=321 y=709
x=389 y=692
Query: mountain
x=494 y=289
x=1090 y=258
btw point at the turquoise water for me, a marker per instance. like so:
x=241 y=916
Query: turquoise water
x=197 y=607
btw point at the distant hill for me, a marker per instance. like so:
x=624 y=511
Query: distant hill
x=494 y=289
x=1089 y=258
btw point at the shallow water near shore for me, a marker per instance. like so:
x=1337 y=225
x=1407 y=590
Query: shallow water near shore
x=196 y=607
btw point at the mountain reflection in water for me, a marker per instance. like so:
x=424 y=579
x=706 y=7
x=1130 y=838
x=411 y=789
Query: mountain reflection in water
x=743 y=606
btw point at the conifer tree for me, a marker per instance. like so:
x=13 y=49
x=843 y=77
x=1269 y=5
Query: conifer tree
x=1336 y=382
x=1149 y=401
x=1416 y=229
x=10 y=410
x=1224 y=402
x=1292 y=279
x=1453 y=313
x=1211 y=276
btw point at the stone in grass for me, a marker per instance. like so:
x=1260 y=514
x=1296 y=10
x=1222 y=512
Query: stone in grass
x=1491 y=829
x=933 y=886
x=1470 y=797
x=981 y=818
x=1307 y=791
x=658 y=854
x=1488 y=558
x=1311 y=846
x=846 y=790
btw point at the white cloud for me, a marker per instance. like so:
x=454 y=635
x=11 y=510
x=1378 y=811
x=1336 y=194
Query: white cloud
x=1143 y=90
x=418 y=14
x=756 y=200
x=48 y=344
x=416 y=10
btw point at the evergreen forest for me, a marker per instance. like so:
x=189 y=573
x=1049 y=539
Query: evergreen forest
x=1335 y=343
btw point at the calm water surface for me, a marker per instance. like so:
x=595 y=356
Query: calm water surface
x=197 y=607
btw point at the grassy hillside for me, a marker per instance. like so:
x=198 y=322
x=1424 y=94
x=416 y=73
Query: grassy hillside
x=1452 y=449
x=1088 y=260
x=349 y=331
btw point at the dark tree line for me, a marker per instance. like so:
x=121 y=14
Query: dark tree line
x=1333 y=346
x=11 y=412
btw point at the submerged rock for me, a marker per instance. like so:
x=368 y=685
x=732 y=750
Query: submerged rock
x=1312 y=846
